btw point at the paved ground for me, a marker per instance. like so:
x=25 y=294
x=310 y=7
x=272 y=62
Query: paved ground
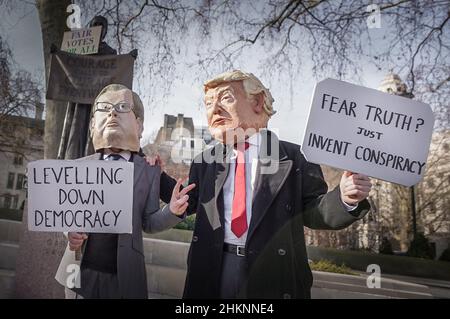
x=338 y=286
x=438 y=288
x=166 y=270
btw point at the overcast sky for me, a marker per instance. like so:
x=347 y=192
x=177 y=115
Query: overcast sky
x=23 y=33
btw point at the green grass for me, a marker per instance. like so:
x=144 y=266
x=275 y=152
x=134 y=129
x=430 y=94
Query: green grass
x=328 y=266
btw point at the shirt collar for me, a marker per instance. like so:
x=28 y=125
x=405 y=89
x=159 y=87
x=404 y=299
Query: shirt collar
x=254 y=142
x=255 y=139
x=125 y=154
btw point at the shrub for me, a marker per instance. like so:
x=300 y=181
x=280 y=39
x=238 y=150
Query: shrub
x=445 y=255
x=386 y=247
x=420 y=247
x=328 y=266
x=390 y=264
x=11 y=214
x=187 y=224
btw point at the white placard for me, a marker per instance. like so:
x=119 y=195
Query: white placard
x=80 y=196
x=367 y=131
x=82 y=41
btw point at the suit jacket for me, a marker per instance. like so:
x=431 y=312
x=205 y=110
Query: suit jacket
x=293 y=196
x=147 y=216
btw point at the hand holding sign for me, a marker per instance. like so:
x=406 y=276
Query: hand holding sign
x=76 y=240
x=179 y=201
x=354 y=187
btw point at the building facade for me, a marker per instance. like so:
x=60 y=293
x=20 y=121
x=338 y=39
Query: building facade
x=21 y=141
x=178 y=141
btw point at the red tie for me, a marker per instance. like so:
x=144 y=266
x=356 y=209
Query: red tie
x=239 y=213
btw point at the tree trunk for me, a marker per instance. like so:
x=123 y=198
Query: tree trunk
x=52 y=14
x=40 y=253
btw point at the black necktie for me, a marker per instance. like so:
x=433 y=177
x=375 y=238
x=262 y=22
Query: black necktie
x=115 y=157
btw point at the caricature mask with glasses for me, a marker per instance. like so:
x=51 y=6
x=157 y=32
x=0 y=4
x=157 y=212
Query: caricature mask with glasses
x=117 y=120
x=121 y=107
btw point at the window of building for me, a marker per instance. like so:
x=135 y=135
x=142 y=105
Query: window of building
x=192 y=144
x=20 y=180
x=15 y=201
x=11 y=177
x=18 y=160
x=7 y=201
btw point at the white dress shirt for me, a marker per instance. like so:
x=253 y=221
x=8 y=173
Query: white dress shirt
x=251 y=162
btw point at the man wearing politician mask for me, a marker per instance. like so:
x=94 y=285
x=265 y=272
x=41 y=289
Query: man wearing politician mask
x=113 y=265
x=254 y=195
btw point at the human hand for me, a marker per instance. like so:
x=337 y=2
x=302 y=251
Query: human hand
x=179 y=201
x=354 y=187
x=76 y=240
x=155 y=161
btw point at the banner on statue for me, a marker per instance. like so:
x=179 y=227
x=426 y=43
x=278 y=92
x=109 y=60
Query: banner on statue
x=79 y=78
x=82 y=41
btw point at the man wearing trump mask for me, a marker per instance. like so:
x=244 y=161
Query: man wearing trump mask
x=254 y=195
